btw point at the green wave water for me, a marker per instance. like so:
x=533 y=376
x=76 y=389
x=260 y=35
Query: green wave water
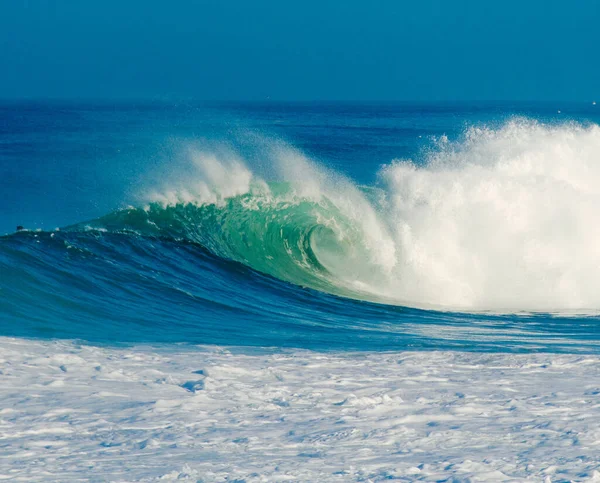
x=307 y=243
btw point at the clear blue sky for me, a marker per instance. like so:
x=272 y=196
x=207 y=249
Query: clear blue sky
x=300 y=50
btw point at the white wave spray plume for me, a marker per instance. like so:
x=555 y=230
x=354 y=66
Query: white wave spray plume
x=504 y=219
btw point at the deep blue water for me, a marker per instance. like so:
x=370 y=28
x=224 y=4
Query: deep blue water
x=127 y=265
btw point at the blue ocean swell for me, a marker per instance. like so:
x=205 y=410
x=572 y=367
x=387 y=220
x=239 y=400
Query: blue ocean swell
x=127 y=288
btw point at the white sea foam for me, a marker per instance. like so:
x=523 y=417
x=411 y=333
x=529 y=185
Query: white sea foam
x=71 y=412
x=505 y=218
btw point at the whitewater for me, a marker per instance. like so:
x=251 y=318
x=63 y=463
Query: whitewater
x=300 y=293
x=75 y=412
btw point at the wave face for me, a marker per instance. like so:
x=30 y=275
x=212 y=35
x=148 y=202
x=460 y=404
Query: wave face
x=484 y=243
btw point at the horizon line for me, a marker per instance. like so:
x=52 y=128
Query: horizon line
x=166 y=99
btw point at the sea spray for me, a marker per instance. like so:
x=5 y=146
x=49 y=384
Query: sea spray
x=503 y=219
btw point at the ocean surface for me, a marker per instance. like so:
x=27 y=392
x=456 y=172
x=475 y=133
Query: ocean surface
x=360 y=226
x=323 y=292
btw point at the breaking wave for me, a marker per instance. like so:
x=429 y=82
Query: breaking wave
x=504 y=221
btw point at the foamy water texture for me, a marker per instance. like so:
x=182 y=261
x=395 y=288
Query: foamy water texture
x=215 y=414
x=503 y=219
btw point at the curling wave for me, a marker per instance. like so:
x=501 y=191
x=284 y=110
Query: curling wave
x=503 y=219
x=308 y=243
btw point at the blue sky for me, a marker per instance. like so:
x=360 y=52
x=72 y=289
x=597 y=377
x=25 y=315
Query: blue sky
x=309 y=50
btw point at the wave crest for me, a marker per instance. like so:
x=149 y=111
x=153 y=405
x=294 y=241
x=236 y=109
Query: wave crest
x=504 y=219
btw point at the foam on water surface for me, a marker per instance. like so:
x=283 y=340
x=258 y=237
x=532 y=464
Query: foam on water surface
x=70 y=411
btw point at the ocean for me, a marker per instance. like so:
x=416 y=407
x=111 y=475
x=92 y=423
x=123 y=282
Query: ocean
x=277 y=291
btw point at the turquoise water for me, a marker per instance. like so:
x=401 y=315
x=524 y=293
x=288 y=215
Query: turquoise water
x=335 y=226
